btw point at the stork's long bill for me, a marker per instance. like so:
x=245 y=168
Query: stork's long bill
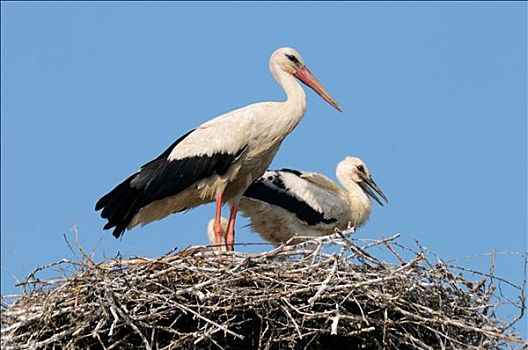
x=369 y=186
x=305 y=76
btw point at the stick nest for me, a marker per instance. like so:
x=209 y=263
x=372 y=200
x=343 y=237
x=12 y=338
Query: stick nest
x=329 y=293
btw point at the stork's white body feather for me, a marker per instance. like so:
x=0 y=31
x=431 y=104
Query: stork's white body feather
x=257 y=129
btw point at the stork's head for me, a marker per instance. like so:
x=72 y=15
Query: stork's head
x=356 y=170
x=290 y=61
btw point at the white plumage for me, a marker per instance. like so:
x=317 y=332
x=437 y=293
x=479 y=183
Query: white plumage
x=286 y=203
x=216 y=161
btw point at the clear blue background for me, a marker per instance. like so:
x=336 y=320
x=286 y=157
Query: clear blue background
x=434 y=96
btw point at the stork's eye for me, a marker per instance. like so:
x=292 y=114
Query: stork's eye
x=293 y=59
x=361 y=168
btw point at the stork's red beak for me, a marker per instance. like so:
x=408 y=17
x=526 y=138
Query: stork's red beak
x=304 y=75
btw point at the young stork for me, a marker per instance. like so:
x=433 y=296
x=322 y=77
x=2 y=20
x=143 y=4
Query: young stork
x=216 y=161
x=285 y=203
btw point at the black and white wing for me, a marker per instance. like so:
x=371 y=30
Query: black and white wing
x=195 y=156
x=291 y=191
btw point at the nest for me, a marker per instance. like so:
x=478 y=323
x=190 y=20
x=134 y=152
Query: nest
x=329 y=293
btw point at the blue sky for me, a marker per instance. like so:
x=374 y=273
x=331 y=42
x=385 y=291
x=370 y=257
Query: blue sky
x=434 y=99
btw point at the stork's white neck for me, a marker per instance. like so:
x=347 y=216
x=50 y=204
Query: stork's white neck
x=358 y=200
x=295 y=95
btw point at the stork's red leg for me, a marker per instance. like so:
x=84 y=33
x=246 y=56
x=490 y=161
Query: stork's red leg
x=217 y=226
x=230 y=239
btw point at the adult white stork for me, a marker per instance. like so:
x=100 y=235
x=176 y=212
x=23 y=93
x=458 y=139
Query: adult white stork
x=216 y=161
x=285 y=203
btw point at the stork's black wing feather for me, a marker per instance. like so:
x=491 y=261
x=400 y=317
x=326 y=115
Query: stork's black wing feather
x=158 y=179
x=270 y=188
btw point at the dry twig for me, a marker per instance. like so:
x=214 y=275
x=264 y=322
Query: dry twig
x=283 y=298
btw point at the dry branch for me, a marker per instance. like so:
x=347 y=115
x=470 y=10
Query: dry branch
x=335 y=294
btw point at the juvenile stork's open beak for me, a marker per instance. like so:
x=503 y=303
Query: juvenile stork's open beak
x=368 y=185
x=304 y=75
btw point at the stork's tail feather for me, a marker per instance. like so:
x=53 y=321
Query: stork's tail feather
x=119 y=206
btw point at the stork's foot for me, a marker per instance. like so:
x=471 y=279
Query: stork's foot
x=230 y=239
x=219 y=235
x=230 y=236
